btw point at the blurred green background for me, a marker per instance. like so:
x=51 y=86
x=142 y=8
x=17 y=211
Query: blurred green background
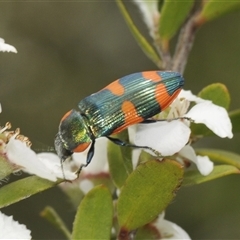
x=68 y=50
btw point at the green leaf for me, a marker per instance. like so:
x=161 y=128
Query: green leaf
x=235 y=119
x=173 y=14
x=119 y=160
x=194 y=177
x=24 y=188
x=141 y=40
x=217 y=93
x=144 y=157
x=213 y=9
x=94 y=216
x=147 y=192
x=5 y=167
x=75 y=195
x=51 y=216
x=220 y=156
x=148 y=232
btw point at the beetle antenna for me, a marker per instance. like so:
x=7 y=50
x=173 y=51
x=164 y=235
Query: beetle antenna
x=62 y=160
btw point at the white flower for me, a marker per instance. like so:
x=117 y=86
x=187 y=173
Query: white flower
x=53 y=163
x=10 y=229
x=45 y=165
x=150 y=13
x=203 y=163
x=165 y=137
x=170 y=137
x=4 y=47
x=169 y=230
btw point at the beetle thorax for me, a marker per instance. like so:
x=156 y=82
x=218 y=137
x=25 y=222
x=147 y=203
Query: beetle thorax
x=74 y=131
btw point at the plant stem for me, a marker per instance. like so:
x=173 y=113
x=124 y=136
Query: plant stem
x=184 y=45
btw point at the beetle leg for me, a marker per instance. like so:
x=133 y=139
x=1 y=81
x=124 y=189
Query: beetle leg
x=89 y=158
x=166 y=120
x=121 y=143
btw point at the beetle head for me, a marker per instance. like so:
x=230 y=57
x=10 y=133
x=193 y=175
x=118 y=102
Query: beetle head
x=62 y=152
x=73 y=135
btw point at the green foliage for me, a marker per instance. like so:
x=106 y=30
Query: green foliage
x=141 y=40
x=94 y=215
x=120 y=161
x=51 y=216
x=235 y=119
x=220 y=156
x=173 y=14
x=22 y=189
x=138 y=204
x=147 y=232
x=5 y=168
x=217 y=93
x=194 y=177
x=214 y=9
x=230 y=164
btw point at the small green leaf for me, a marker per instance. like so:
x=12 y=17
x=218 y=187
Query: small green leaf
x=173 y=14
x=24 y=188
x=147 y=192
x=194 y=177
x=51 y=216
x=119 y=160
x=217 y=93
x=75 y=195
x=141 y=40
x=144 y=157
x=94 y=216
x=235 y=119
x=148 y=232
x=213 y=9
x=5 y=168
x=220 y=156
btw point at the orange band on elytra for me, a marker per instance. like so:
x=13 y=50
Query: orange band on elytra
x=81 y=147
x=116 y=88
x=152 y=76
x=130 y=116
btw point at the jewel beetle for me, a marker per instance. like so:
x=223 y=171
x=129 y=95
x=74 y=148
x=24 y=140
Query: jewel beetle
x=129 y=100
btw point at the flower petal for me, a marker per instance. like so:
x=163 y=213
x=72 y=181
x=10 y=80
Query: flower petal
x=170 y=230
x=203 y=163
x=10 y=229
x=135 y=151
x=214 y=117
x=53 y=163
x=188 y=95
x=165 y=137
x=4 y=47
x=21 y=155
